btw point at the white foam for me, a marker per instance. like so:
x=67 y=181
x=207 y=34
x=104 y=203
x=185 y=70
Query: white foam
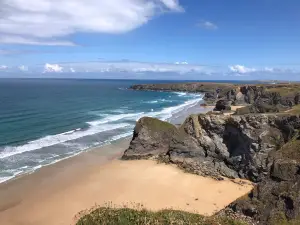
x=168 y=112
x=181 y=93
x=57 y=139
x=15 y=173
x=164 y=100
x=117 y=137
x=119 y=110
x=152 y=102
x=113 y=118
x=159 y=100
x=3 y=179
x=71 y=154
x=188 y=95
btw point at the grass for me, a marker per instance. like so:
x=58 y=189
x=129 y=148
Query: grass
x=288 y=90
x=126 y=216
x=157 y=125
x=295 y=110
x=280 y=219
x=291 y=150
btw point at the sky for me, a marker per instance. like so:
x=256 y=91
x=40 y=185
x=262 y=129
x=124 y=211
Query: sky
x=150 y=39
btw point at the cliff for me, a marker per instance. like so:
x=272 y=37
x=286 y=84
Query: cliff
x=258 y=98
x=261 y=148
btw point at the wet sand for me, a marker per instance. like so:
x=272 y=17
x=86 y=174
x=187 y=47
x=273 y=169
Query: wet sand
x=54 y=194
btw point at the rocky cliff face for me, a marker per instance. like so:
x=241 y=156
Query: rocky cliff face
x=151 y=137
x=260 y=98
x=258 y=147
x=276 y=199
x=216 y=145
x=211 y=91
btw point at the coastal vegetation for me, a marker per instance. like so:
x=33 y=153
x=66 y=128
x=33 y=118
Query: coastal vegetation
x=126 y=216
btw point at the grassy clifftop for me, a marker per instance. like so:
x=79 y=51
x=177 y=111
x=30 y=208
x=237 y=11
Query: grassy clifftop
x=125 y=216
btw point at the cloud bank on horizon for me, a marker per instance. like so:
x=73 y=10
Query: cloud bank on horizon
x=139 y=70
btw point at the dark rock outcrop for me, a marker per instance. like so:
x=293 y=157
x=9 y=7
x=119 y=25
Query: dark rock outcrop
x=151 y=137
x=262 y=148
x=276 y=199
x=260 y=98
x=222 y=105
x=211 y=91
x=216 y=145
x=297 y=99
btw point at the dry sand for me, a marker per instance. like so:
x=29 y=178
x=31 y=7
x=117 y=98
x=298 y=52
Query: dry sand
x=55 y=194
x=235 y=107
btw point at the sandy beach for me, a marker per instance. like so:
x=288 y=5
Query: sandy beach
x=56 y=193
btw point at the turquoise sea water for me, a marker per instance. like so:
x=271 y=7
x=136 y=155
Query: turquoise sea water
x=43 y=121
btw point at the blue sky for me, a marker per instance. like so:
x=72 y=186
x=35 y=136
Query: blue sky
x=191 y=39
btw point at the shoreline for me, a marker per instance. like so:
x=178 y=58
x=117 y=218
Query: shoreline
x=57 y=193
x=178 y=117
x=97 y=176
x=89 y=150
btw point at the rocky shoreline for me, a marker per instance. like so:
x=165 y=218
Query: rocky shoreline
x=260 y=98
x=259 y=143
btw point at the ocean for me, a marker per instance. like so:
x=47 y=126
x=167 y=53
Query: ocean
x=43 y=121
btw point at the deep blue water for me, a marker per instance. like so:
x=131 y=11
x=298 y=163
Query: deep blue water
x=45 y=120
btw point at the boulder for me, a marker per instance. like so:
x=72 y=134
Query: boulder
x=222 y=105
x=231 y=95
x=240 y=99
x=284 y=170
x=151 y=137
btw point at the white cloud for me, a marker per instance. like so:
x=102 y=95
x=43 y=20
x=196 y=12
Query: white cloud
x=46 y=22
x=241 y=69
x=125 y=66
x=3 y=67
x=8 y=39
x=269 y=69
x=23 y=68
x=207 y=25
x=173 y=5
x=181 y=63
x=52 y=68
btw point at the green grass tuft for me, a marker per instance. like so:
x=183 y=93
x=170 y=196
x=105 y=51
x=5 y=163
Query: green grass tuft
x=126 y=216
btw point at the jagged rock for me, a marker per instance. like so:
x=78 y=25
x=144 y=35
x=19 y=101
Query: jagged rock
x=223 y=105
x=231 y=95
x=262 y=97
x=284 y=170
x=210 y=97
x=217 y=145
x=151 y=137
x=297 y=99
x=262 y=148
x=276 y=199
x=240 y=99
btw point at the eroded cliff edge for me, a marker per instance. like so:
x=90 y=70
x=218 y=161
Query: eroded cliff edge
x=258 y=98
x=260 y=147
